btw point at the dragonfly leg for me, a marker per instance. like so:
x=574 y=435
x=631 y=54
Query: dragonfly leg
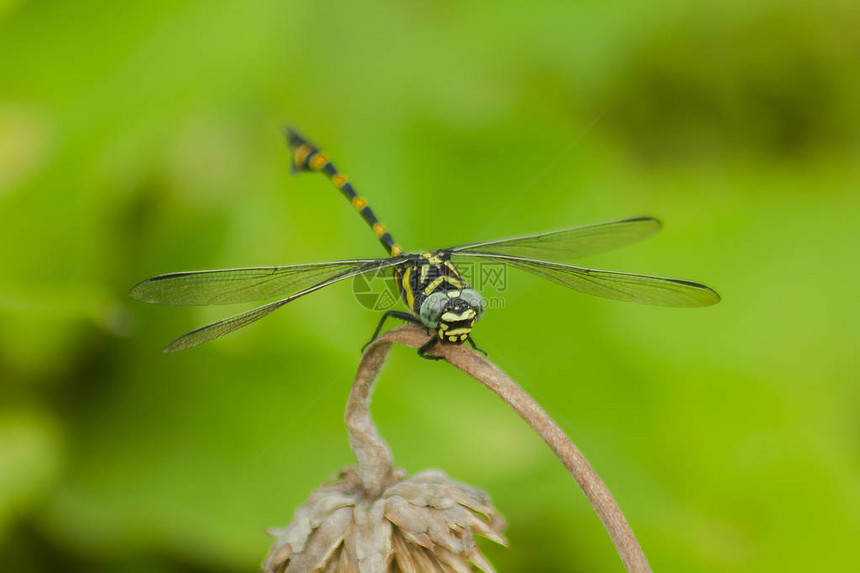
x=395 y=314
x=475 y=346
x=422 y=352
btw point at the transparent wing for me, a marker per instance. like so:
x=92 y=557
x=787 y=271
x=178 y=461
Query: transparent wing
x=644 y=289
x=231 y=286
x=571 y=243
x=222 y=327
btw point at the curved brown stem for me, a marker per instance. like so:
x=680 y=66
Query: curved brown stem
x=374 y=457
x=375 y=462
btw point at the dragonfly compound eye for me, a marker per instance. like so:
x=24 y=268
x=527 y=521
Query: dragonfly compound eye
x=432 y=309
x=474 y=299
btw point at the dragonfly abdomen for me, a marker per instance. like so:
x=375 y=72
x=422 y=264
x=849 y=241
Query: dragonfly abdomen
x=306 y=157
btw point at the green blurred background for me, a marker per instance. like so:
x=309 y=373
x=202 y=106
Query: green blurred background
x=136 y=139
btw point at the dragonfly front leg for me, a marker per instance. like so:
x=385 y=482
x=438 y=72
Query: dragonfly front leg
x=395 y=314
x=422 y=352
x=475 y=346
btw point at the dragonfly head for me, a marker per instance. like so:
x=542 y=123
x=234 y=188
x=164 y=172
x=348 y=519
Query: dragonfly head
x=452 y=314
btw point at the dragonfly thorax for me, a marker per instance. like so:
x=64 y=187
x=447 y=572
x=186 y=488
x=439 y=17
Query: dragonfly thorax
x=452 y=313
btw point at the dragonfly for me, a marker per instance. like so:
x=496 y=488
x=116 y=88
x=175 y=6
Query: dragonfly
x=430 y=284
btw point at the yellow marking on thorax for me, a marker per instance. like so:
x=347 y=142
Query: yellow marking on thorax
x=431 y=258
x=302 y=153
x=317 y=161
x=424 y=270
x=338 y=180
x=452 y=268
x=433 y=285
x=358 y=203
x=439 y=280
x=410 y=296
x=378 y=229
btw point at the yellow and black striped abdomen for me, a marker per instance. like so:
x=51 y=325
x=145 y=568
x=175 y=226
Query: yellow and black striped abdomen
x=308 y=158
x=426 y=273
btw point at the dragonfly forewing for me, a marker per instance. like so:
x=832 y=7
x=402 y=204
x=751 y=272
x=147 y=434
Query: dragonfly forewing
x=571 y=243
x=208 y=287
x=230 y=286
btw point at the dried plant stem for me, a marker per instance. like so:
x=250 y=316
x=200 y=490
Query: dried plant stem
x=375 y=460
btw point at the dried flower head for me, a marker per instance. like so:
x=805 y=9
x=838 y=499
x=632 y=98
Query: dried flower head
x=375 y=520
x=426 y=523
